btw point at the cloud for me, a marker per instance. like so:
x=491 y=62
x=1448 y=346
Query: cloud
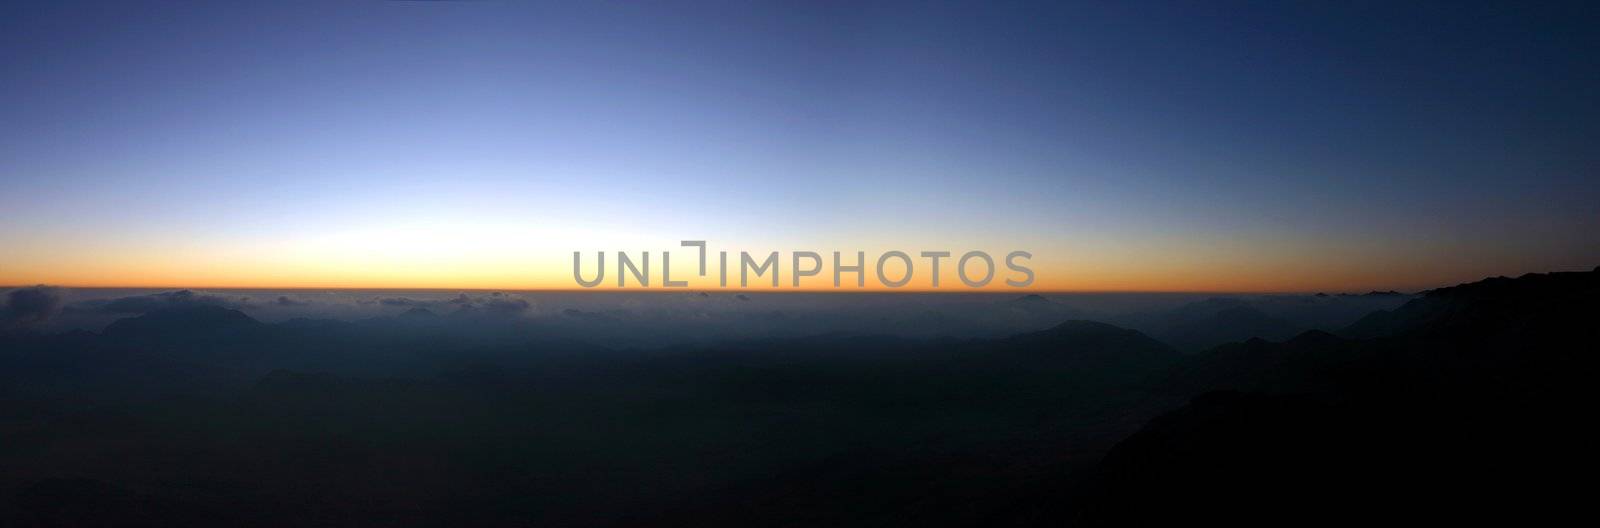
x=32 y=305
x=498 y=303
x=506 y=306
x=146 y=303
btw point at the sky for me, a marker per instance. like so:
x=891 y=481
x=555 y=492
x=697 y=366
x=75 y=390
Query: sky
x=1129 y=146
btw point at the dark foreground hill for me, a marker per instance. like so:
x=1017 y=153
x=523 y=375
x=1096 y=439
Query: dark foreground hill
x=1467 y=404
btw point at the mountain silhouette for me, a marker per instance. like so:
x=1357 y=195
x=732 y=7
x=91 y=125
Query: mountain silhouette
x=1456 y=407
x=1082 y=340
x=1491 y=306
x=182 y=320
x=1233 y=323
x=419 y=313
x=1037 y=311
x=1462 y=403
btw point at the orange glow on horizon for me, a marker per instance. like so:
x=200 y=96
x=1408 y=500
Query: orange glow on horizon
x=478 y=258
x=532 y=278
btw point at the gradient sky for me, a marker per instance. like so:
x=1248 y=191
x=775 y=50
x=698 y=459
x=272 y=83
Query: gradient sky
x=1129 y=146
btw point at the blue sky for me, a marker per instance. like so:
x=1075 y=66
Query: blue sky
x=1174 y=145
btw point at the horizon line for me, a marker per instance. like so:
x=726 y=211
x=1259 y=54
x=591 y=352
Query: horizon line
x=664 y=290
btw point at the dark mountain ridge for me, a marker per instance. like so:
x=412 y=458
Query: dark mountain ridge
x=1459 y=406
x=204 y=416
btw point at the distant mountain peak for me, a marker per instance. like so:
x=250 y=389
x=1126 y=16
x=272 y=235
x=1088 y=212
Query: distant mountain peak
x=1085 y=327
x=182 y=320
x=419 y=312
x=1310 y=337
x=1092 y=336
